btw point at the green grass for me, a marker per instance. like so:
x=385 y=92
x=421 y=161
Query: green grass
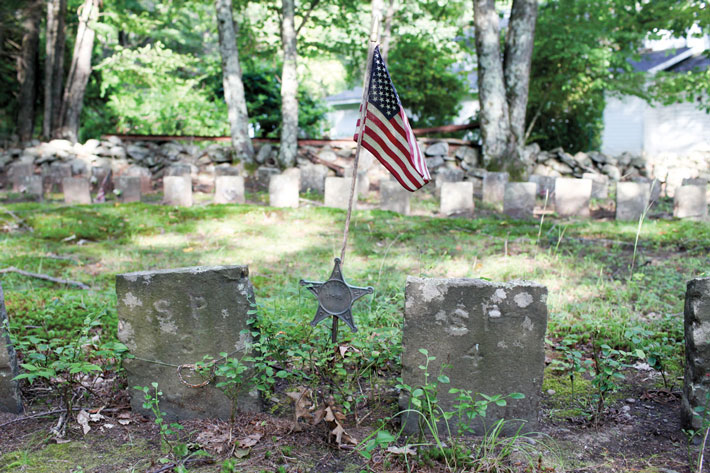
x=584 y=264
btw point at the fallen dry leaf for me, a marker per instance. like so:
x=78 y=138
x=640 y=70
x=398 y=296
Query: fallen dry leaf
x=241 y=452
x=83 y=420
x=250 y=440
x=406 y=450
x=214 y=440
x=342 y=437
x=124 y=421
x=301 y=400
x=318 y=416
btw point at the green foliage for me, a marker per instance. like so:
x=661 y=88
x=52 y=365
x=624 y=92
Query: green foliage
x=153 y=89
x=423 y=73
x=262 y=88
x=690 y=86
x=582 y=51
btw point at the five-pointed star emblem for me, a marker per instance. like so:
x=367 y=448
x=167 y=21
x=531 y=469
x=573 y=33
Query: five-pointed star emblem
x=335 y=297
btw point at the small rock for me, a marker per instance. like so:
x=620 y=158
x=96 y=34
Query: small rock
x=263 y=154
x=434 y=162
x=437 y=149
x=551 y=392
x=612 y=171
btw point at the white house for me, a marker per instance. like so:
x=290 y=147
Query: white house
x=651 y=130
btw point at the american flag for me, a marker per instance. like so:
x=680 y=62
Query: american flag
x=387 y=134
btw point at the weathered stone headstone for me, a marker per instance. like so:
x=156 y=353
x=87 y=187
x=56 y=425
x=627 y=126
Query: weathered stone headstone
x=313 y=178
x=456 y=197
x=98 y=174
x=363 y=181
x=632 y=200
x=494 y=187
x=696 y=387
x=10 y=400
x=177 y=190
x=263 y=176
x=690 y=202
x=572 y=197
x=55 y=174
x=447 y=174
x=129 y=188
x=337 y=192
x=145 y=176
x=32 y=186
x=394 y=197
x=229 y=190
x=491 y=334
x=545 y=185
x=675 y=178
x=519 y=199
x=654 y=185
x=600 y=184
x=173 y=317
x=76 y=190
x=18 y=172
x=283 y=189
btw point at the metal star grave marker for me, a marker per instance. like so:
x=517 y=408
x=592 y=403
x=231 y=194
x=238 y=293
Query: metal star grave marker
x=335 y=298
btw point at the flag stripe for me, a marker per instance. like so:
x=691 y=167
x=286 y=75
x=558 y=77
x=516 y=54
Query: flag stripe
x=391 y=167
x=398 y=160
x=380 y=135
x=393 y=129
x=419 y=162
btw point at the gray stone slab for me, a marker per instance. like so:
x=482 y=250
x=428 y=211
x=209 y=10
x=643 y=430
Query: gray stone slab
x=313 y=178
x=10 y=399
x=145 y=175
x=18 y=172
x=545 y=185
x=177 y=190
x=98 y=174
x=691 y=202
x=363 y=181
x=492 y=335
x=394 y=197
x=337 y=192
x=176 y=317
x=76 y=190
x=696 y=386
x=494 y=187
x=600 y=184
x=519 y=199
x=675 y=177
x=456 y=197
x=572 y=197
x=129 y=188
x=632 y=199
x=179 y=169
x=283 y=189
x=229 y=190
x=263 y=176
x=32 y=186
x=654 y=186
x=447 y=174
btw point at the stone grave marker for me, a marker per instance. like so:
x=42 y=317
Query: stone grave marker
x=675 y=178
x=492 y=335
x=696 y=384
x=363 y=182
x=17 y=174
x=313 y=178
x=545 y=185
x=337 y=192
x=98 y=174
x=177 y=190
x=447 y=174
x=494 y=187
x=600 y=184
x=229 y=190
x=177 y=316
x=10 y=400
x=632 y=200
x=283 y=188
x=572 y=197
x=519 y=199
x=690 y=202
x=456 y=197
x=145 y=176
x=130 y=189
x=263 y=176
x=394 y=197
x=32 y=186
x=55 y=174
x=76 y=190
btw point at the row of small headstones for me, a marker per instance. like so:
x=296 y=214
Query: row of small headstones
x=490 y=335
x=568 y=196
x=571 y=197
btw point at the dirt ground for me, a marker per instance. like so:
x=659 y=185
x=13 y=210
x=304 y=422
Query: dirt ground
x=639 y=432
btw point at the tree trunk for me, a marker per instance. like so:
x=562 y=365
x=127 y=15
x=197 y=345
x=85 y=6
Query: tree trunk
x=79 y=72
x=289 y=88
x=517 y=62
x=27 y=71
x=494 y=119
x=386 y=36
x=232 y=82
x=54 y=65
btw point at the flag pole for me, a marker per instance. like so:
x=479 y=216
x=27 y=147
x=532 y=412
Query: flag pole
x=374 y=36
